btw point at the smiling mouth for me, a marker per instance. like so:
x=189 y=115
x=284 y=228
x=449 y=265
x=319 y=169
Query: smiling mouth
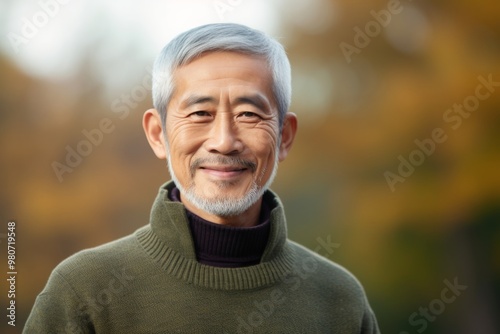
x=222 y=167
x=224 y=171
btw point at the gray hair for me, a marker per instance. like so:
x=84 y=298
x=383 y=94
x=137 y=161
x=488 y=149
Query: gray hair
x=221 y=37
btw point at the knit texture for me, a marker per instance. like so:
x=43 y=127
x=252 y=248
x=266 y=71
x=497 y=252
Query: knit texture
x=227 y=246
x=150 y=282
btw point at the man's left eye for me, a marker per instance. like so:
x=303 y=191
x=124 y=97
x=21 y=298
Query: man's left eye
x=248 y=114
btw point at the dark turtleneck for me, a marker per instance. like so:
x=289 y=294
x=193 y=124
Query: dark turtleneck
x=227 y=246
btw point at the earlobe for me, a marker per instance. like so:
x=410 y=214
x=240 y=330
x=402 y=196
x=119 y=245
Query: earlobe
x=151 y=122
x=287 y=134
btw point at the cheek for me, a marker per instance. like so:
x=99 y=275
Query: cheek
x=183 y=145
x=264 y=146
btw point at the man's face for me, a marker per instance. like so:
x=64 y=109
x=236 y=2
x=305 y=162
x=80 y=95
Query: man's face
x=222 y=131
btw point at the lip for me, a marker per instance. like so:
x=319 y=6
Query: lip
x=224 y=172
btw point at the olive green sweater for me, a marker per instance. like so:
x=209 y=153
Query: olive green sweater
x=150 y=282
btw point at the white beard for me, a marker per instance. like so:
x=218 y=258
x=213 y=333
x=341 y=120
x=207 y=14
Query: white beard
x=222 y=205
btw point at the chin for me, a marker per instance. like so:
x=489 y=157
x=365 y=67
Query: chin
x=225 y=204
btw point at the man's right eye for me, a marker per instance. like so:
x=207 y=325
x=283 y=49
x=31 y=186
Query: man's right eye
x=200 y=113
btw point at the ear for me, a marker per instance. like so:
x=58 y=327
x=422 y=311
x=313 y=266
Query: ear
x=287 y=134
x=151 y=122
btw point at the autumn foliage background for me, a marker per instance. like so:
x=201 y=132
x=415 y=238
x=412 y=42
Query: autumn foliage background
x=355 y=119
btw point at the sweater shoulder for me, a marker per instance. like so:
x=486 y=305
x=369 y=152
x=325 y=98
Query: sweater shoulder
x=324 y=271
x=92 y=262
x=331 y=285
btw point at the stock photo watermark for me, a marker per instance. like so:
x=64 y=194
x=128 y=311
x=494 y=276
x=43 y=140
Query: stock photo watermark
x=223 y=6
x=11 y=273
x=104 y=297
x=436 y=307
x=452 y=117
x=121 y=106
x=30 y=27
x=263 y=309
x=372 y=29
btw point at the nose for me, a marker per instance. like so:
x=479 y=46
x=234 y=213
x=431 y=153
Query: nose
x=223 y=136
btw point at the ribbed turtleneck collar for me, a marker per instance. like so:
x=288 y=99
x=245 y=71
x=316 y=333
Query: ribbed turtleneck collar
x=227 y=246
x=167 y=240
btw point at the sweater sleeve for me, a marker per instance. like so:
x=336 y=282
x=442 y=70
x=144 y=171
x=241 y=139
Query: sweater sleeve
x=58 y=309
x=369 y=325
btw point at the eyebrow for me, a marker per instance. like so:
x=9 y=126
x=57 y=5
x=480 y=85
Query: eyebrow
x=197 y=99
x=256 y=100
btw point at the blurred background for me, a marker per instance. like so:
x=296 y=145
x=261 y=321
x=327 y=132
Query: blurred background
x=370 y=80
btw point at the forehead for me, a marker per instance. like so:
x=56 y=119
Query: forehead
x=224 y=68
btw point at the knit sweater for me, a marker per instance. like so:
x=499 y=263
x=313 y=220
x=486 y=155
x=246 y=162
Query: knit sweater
x=150 y=282
x=227 y=246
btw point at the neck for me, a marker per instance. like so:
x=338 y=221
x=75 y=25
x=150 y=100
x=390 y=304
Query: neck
x=246 y=219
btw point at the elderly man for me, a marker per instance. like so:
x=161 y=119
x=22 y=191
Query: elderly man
x=215 y=257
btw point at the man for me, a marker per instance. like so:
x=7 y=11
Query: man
x=215 y=257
